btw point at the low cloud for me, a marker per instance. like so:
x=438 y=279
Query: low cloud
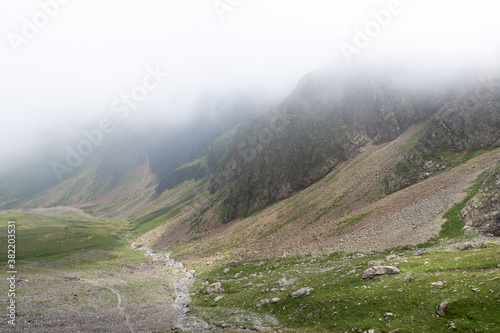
x=79 y=61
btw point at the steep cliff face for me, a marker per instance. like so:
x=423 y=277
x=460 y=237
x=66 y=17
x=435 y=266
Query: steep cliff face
x=464 y=127
x=482 y=212
x=324 y=121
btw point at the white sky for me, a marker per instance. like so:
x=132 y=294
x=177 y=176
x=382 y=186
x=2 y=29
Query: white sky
x=92 y=51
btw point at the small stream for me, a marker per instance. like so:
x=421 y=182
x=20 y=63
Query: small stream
x=181 y=287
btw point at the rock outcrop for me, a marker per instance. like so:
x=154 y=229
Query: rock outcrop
x=301 y=292
x=482 y=212
x=214 y=288
x=463 y=126
x=371 y=272
x=442 y=308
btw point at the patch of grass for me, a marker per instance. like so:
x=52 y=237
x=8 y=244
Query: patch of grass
x=202 y=162
x=42 y=236
x=410 y=144
x=151 y=220
x=351 y=221
x=452 y=228
x=411 y=169
x=278 y=227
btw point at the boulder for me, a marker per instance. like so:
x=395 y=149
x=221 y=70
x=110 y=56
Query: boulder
x=420 y=252
x=233 y=263
x=301 y=292
x=215 y=288
x=441 y=309
x=263 y=302
x=284 y=282
x=226 y=271
x=275 y=300
x=218 y=298
x=373 y=271
x=392 y=257
x=471 y=245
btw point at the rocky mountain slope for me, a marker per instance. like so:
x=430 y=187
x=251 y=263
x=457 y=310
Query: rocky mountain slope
x=347 y=210
x=331 y=115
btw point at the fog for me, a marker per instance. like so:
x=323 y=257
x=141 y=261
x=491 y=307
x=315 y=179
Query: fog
x=67 y=64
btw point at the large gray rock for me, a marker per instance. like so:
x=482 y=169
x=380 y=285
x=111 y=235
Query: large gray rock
x=214 y=288
x=263 y=302
x=470 y=245
x=371 y=272
x=284 y=282
x=301 y=292
x=442 y=308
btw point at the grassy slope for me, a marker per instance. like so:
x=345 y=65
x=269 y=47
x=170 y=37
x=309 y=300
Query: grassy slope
x=340 y=301
x=43 y=236
x=178 y=200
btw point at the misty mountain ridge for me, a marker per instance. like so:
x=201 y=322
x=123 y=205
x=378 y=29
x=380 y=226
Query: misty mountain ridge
x=251 y=161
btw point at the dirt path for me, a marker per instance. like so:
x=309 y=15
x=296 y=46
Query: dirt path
x=118 y=305
x=119 y=297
